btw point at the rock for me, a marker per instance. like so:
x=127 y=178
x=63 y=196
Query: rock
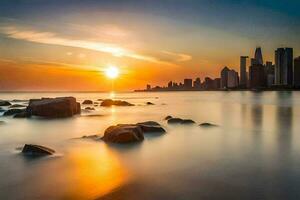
x=99 y=99
x=19 y=100
x=13 y=112
x=89 y=108
x=187 y=121
x=110 y=102
x=2 y=110
x=22 y=115
x=5 y=103
x=36 y=150
x=151 y=126
x=123 y=133
x=2 y=122
x=175 y=121
x=168 y=117
x=54 y=107
x=93 y=137
x=87 y=102
x=206 y=124
x=17 y=106
x=149 y=103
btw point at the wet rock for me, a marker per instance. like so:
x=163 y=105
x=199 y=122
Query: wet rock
x=2 y=110
x=5 y=103
x=22 y=115
x=87 y=102
x=36 y=150
x=17 y=106
x=19 y=100
x=2 y=122
x=13 y=112
x=206 y=124
x=149 y=103
x=54 y=107
x=187 y=121
x=175 y=121
x=168 y=117
x=123 y=133
x=110 y=102
x=151 y=127
x=100 y=99
x=93 y=137
x=89 y=108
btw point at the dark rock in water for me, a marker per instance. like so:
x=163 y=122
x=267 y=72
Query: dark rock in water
x=19 y=100
x=149 y=103
x=123 y=133
x=13 y=112
x=206 y=124
x=2 y=122
x=89 y=108
x=99 y=99
x=22 y=115
x=93 y=137
x=2 y=110
x=36 y=150
x=110 y=102
x=54 y=107
x=151 y=127
x=87 y=102
x=187 y=121
x=168 y=117
x=17 y=106
x=175 y=121
x=5 y=103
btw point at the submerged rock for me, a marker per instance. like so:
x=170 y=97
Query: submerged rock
x=110 y=102
x=54 y=107
x=151 y=127
x=89 y=108
x=187 y=121
x=17 y=106
x=123 y=133
x=149 y=103
x=36 y=150
x=206 y=124
x=5 y=103
x=22 y=115
x=179 y=120
x=87 y=102
x=13 y=112
x=168 y=117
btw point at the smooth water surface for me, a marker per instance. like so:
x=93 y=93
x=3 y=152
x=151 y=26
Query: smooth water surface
x=254 y=153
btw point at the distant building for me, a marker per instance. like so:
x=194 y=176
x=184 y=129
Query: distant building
x=284 y=66
x=257 y=76
x=297 y=72
x=232 y=79
x=197 y=83
x=208 y=83
x=170 y=85
x=270 y=73
x=258 y=56
x=217 y=83
x=188 y=83
x=224 y=77
x=243 y=71
x=148 y=87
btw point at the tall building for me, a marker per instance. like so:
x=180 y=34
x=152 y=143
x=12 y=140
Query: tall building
x=243 y=71
x=270 y=73
x=258 y=56
x=188 y=83
x=170 y=84
x=232 y=79
x=148 y=87
x=257 y=76
x=297 y=72
x=284 y=66
x=208 y=83
x=224 y=77
x=197 y=83
x=217 y=83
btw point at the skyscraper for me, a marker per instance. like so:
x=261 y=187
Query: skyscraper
x=243 y=71
x=284 y=66
x=188 y=83
x=257 y=76
x=224 y=77
x=258 y=56
x=197 y=83
x=232 y=79
x=297 y=72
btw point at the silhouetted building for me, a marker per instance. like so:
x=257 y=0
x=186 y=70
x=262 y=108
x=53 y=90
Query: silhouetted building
x=188 y=83
x=256 y=76
x=270 y=73
x=197 y=83
x=232 y=79
x=243 y=71
x=284 y=66
x=224 y=77
x=258 y=56
x=170 y=84
x=297 y=72
x=208 y=83
x=148 y=87
x=217 y=83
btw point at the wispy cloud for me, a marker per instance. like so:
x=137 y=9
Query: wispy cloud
x=44 y=37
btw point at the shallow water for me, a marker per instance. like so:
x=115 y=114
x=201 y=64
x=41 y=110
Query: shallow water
x=252 y=154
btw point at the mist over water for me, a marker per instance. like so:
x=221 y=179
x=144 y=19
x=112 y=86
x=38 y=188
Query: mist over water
x=252 y=154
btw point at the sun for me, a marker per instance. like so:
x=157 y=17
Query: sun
x=112 y=72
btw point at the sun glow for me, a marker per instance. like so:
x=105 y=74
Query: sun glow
x=112 y=72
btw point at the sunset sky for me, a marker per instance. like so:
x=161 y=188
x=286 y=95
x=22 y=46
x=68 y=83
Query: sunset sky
x=68 y=44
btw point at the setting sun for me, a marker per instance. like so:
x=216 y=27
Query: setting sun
x=112 y=72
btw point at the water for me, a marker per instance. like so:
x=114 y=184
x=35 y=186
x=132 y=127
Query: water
x=252 y=154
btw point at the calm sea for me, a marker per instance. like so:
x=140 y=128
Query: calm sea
x=254 y=153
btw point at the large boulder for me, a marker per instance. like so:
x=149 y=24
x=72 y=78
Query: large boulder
x=123 y=133
x=207 y=124
x=149 y=103
x=17 y=106
x=110 y=102
x=5 y=103
x=87 y=102
x=22 y=115
x=151 y=127
x=13 y=111
x=36 y=150
x=168 y=117
x=54 y=107
x=187 y=121
x=179 y=120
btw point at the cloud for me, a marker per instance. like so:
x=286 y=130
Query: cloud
x=179 y=57
x=44 y=37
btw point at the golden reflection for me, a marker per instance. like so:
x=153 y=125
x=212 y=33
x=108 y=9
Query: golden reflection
x=95 y=171
x=112 y=95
